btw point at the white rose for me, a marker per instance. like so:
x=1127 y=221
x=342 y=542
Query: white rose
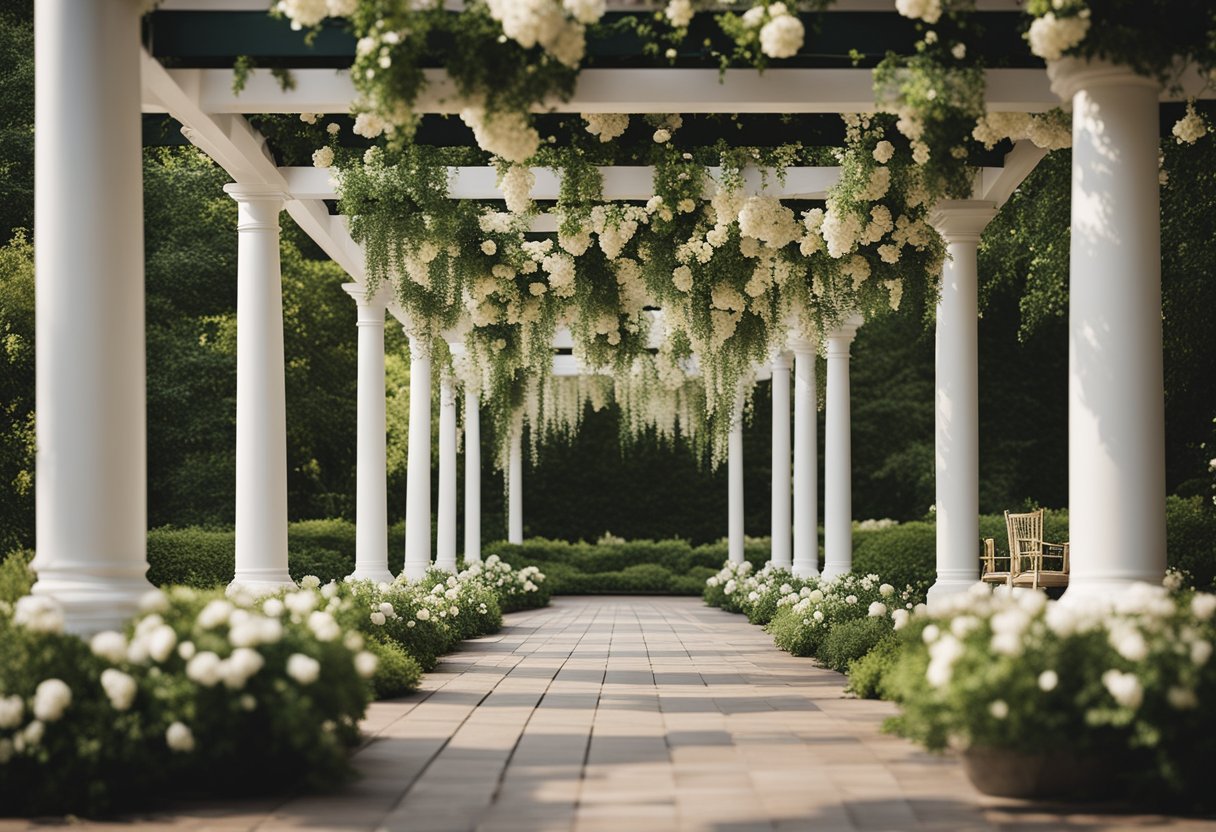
x=179 y=737
x=161 y=642
x=119 y=687
x=1125 y=688
x=51 y=699
x=999 y=708
x=378 y=618
x=109 y=645
x=877 y=610
x=488 y=247
x=214 y=614
x=204 y=669
x=782 y=36
x=240 y=666
x=12 y=708
x=323 y=157
x=1048 y=680
x=304 y=669
x=365 y=664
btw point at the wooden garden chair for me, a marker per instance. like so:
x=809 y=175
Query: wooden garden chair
x=1031 y=556
x=990 y=574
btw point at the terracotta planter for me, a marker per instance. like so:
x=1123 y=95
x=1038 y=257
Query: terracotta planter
x=1003 y=772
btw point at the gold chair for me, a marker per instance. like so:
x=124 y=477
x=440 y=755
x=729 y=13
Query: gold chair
x=1029 y=553
x=989 y=574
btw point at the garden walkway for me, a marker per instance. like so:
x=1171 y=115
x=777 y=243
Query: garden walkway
x=637 y=715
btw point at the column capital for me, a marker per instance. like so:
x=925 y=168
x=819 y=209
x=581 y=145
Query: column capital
x=842 y=335
x=800 y=345
x=962 y=220
x=1070 y=75
x=371 y=308
x=243 y=192
x=779 y=359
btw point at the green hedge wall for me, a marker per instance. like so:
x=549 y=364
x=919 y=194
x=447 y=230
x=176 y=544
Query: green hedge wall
x=203 y=557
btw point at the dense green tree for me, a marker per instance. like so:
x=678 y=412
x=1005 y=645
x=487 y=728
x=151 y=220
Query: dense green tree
x=16 y=394
x=16 y=117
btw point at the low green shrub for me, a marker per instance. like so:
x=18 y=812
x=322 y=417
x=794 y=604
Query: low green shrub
x=868 y=674
x=194 y=557
x=397 y=672
x=849 y=641
x=16 y=577
x=791 y=634
x=326 y=564
x=336 y=535
x=1190 y=530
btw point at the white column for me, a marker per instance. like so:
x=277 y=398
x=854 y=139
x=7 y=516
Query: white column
x=838 y=459
x=957 y=406
x=734 y=473
x=418 y=474
x=445 y=545
x=91 y=486
x=515 y=485
x=261 y=398
x=472 y=478
x=781 y=555
x=1116 y=421
x=371 y=466
x=806 y=461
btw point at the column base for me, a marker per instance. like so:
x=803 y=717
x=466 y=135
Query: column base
x=446 y=566
x=946 y=587
x=258 y=582
x=805 y=570
x=832 y=571
x=379 y=574
x=416 y=571
x=93 y=603
x=1104 y=588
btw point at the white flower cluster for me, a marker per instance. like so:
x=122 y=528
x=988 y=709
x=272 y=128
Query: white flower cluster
x=1050 y=131
x=679 y=13
x=930 y=11
x=766 y=219
x=557 y=27
x=1051 y=36
x=1191 y=127
x=782 y=33
x=616 y=225
x=305 y=14
x=516 y=186
x=729 y=575
x=323 y=157
x=606 y=125
x=38 y=614
x=504 y=134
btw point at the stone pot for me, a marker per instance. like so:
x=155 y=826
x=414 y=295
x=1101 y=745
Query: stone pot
x=1004 y=772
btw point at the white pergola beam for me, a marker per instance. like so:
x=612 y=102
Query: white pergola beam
x=610 y=91
x=620 y=183
x=998 y=184
x=241 y=151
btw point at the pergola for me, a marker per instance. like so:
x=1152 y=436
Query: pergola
x=95 y=78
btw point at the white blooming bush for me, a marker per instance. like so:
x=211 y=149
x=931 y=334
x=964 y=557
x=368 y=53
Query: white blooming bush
x=839 y=620
x=1128 y=676
x=724 y=589
x=198 y=689
x=517 y=589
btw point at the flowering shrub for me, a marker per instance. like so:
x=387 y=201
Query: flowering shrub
x=722 y=589
x=199 y=688
x=1128 y=676
x=805 y=618
x=517 y=589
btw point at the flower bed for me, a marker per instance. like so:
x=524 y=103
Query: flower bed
x=228 y=692
x=837 y=621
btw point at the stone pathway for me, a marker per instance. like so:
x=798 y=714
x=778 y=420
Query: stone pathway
x=637 y=715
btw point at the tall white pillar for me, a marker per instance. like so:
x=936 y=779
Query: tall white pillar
x=806 y=460
x=515 y=485
x=734 y=473
x=957 y=406
x=371 y=466
x=782 y=554
x=838 y=457
x=1116 y=419
x=445 y=545
x=261 y=397
x=472 y=478
x=91 y=487
x=418 y=474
